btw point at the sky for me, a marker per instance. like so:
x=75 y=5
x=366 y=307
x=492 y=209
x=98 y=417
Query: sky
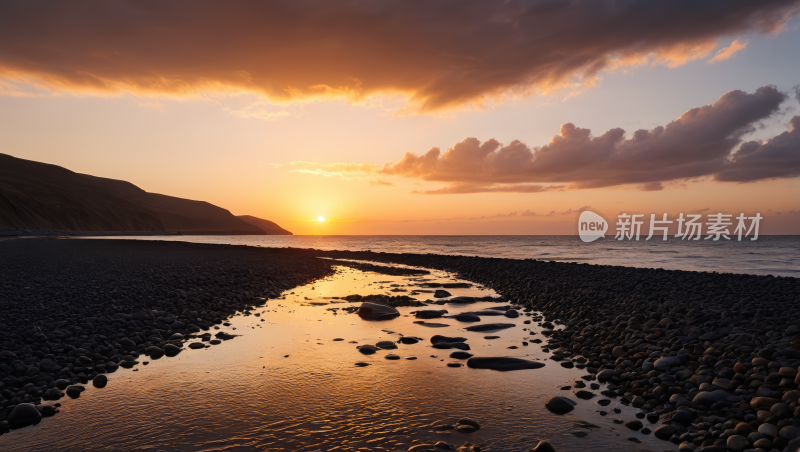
x=412 y=117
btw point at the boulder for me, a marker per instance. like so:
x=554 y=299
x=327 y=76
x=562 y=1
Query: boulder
x=367 y=349
x=737 y=443
x=374 y=311
x=386 y=345
x=52 y=394
x=171 y=350
x=543 y=446
x=490 y=327
x=665 y=431
x=560 y=404
x=100 y=381
x=707 y=398
x=503 y=363
x=23 y=414
x=430 y=313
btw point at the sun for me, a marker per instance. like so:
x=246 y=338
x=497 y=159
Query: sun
x=320 y=219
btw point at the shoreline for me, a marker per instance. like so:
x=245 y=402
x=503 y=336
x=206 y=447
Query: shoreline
x=708 y=352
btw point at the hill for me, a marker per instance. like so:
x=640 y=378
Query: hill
x=267 y=226
x=36 y=195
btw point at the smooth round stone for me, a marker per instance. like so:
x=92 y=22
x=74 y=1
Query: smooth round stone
x=367 y=349
x=100 y=381
x=503 y=363
x=460 y=355
x=454 y=364
x=75 y=391
x=362 y=364
x=737 y=443
x=585 y=395
x=634 y=425
x=23 y=414
x=196 y=345
x=408 y=340
x=392 y=357
x=171 y=350
x=560 y=404
x=52 y=394
x=386 y=345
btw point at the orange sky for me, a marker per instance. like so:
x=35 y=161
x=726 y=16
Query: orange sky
x=293 y=110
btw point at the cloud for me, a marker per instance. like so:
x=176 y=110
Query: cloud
x=729 y=51
x=776 y=158
x=578 y=210
x=651 y=186
x=470 y=188
x=344 y=170
x=380 y=183
x=701 y=142
x=436 y=55
x=255 y=110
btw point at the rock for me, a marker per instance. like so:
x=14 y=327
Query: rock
x=763 y=403
x=100 y=381
x=789 y=432
x=768 y=430
x=638 y=402
x=360 y=364
x=468 y=421
x=409 y=340
x=23 y=414
x=634 y=425
x=460 y=355
x=617 y=351
x=708 y=398
x=489 y=327
x=503 y=363
x=439 y=339
x=392 y=357
x=454 y=365
x=466 y=317
x=171 y=350
x=442 y=446
x=441 y=294
x=196 y=345
x=666 y=362
x=430 y=313
x=664 y=431
x=560 y=405
x=543 y=446
x=75 y=391
x=743 y=429
x=367 y=349
x=607 y=374
x=583 y=394
x=737 y=443
x=463 y=428
x=374 y=311
x=52 y=394
x=386 y=345
x=154 y=352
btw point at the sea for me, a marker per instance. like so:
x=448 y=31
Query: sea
x=777 y=255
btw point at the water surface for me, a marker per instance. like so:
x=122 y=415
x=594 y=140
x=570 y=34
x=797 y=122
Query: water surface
x=286 y=385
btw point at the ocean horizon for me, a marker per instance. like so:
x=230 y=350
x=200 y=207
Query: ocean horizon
x=768 y=255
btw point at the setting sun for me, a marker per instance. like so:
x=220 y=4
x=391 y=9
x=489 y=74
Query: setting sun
x=320 y=219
